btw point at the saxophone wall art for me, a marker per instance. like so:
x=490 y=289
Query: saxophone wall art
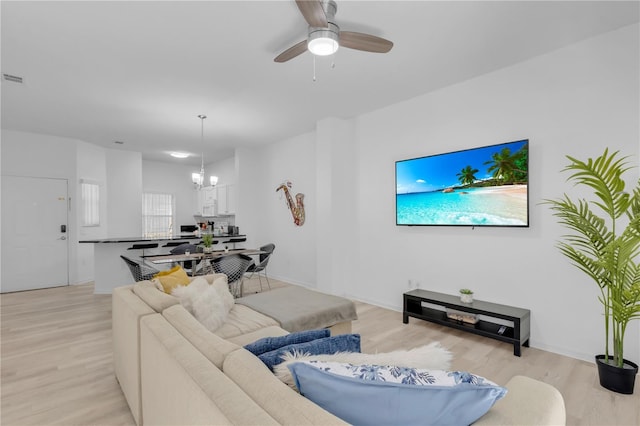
x=297 y=208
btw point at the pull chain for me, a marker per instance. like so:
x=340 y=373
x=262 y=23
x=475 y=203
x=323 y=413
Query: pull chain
x=314 y=67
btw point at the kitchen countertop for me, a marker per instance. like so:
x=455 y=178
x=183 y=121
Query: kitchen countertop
x=187 y=236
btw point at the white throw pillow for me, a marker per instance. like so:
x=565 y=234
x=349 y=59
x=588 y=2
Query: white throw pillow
x=208 y=303
x=183 y=293
x=432 y=356
x=222 y=287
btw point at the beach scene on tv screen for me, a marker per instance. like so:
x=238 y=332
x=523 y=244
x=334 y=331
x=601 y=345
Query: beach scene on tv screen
x=479 y=186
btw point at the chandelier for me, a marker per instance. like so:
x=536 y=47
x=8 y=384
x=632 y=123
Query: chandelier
x=198 y=178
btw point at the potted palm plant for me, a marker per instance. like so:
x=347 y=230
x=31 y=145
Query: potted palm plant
x=604 y=243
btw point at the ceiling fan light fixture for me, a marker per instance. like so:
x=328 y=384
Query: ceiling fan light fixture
x=323 y=41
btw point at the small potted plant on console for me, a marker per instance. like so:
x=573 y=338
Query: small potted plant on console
x=604 y=243
x=466 y=295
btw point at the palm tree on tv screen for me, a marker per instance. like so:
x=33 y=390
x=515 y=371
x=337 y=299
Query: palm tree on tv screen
x=504 y=166
x=467 y=175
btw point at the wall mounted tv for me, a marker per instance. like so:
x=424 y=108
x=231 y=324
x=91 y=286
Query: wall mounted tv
x=485 y=186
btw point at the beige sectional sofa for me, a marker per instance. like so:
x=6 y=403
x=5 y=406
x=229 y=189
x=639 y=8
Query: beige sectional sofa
x=172 y=370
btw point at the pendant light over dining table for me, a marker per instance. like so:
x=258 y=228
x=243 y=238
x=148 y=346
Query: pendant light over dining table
x=198 y=178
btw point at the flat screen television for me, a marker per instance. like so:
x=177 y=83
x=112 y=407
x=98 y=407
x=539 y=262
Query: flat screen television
x=484 y=186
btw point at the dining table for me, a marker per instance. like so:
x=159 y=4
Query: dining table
x=196 y=257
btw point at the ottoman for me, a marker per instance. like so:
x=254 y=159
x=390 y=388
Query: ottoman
x=298 y=308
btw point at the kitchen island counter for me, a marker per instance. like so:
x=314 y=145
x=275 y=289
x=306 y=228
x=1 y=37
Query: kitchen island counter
x=110 y=271
x=186 y=236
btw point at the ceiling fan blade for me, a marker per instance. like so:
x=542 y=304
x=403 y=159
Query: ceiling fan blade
x=313 y=12
x=292 y=52
x=366 y=42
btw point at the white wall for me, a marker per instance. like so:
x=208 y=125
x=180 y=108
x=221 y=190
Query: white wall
x=46 y=156
x=91 y=166
x=576 y=101
x=225 y=170
x=269 y=219
x=337 y=210
x=124 y=193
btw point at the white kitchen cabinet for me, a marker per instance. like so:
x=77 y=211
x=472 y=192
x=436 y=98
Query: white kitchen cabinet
x=207 y=199
x=226 y=199
x=210 y=195
x=217 y=200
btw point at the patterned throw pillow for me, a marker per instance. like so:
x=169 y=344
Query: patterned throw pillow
x=382 y=395
x=269 y=344
x=432 y=356
x=326 y=345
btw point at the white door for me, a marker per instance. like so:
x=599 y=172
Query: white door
x=35 y=245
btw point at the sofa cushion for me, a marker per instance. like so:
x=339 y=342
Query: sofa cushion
x=529 y=402
x=298 y=308
x=383 y=395
x=284 y=405
x=172 y=278
x=156 y=299
x=242 y=320
x=268 y=344
x=326 y=345
x=180 y=386
x=252 y=336
x=127 y=309
x=212 y=346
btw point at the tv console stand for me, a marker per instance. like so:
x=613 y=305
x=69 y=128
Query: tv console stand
x=517 y=334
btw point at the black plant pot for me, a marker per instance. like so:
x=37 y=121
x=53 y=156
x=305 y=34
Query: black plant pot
x=614 y=378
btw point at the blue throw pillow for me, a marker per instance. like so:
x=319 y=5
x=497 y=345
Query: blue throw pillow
x=385 y=395
x=327 y=345
x=269 y=344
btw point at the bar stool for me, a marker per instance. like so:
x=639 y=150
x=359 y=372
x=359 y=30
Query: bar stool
x=234 y=241
x=174 y=243
x=143 y=247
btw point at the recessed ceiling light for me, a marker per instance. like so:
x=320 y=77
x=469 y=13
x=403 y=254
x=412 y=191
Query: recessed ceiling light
x=179 y=154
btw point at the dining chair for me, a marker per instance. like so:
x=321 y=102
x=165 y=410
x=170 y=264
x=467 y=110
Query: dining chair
x=182 y=249
x=262 y=265
x=140 y=270
x=234 y=267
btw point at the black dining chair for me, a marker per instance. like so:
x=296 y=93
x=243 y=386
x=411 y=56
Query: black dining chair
x=182 y=249
x=234 y=267
x=140 y=270
x=262 y=265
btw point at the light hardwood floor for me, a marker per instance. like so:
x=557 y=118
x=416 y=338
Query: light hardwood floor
x=57 y=361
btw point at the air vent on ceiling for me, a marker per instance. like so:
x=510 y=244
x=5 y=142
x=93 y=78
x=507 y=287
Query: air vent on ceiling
x=12 y=78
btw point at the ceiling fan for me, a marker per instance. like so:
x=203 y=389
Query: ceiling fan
x=325 y=36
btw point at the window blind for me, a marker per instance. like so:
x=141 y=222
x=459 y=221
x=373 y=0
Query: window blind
x=157 y=215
